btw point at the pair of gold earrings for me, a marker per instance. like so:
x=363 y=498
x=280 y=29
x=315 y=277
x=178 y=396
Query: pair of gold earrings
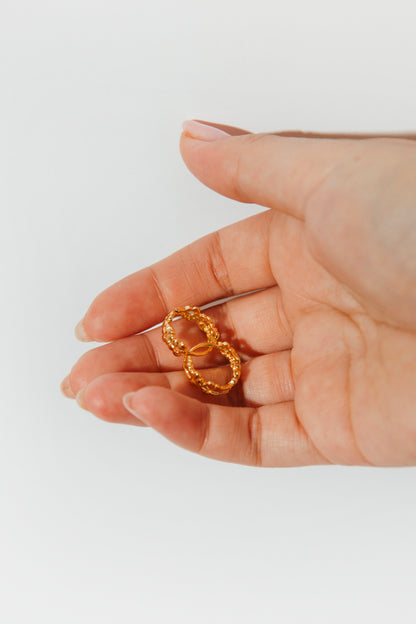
x=180 y=349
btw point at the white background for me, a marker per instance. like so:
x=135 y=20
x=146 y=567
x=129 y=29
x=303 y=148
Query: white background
x=113 y=524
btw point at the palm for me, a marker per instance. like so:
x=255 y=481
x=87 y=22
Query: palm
x=327 y=374
x=351 y=372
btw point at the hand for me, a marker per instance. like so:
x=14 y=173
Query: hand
x=328 y=342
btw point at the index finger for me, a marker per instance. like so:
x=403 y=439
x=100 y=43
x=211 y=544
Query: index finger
x=229 y=262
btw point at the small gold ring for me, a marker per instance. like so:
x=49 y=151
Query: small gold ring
x=179 y=348
x=204 y=322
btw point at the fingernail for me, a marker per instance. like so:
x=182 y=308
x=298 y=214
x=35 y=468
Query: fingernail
x=80 y=332
x=127 y=404
x=127 y=399
x=80 y=398
x=66 y=388
x=202 y=131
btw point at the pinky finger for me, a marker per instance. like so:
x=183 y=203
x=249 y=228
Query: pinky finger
x=267 y=436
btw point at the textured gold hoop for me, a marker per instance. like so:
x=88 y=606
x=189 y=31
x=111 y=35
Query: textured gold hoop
x=179 y=348
x=204 y=322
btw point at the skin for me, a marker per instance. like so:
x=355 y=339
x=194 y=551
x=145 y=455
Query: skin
x=328 y=341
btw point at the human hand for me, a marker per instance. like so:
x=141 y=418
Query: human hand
x=328 y=343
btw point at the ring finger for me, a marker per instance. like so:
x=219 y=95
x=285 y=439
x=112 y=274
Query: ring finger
x=265 y=380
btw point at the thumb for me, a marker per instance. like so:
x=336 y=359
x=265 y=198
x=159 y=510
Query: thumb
x=267 y=169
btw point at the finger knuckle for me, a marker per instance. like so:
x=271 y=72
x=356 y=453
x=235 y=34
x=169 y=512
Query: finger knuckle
x=255 y=437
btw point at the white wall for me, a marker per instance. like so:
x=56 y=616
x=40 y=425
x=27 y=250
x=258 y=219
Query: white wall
x=112 y=524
